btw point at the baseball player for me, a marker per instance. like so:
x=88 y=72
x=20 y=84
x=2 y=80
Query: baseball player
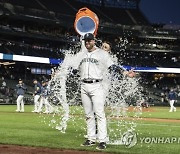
x=93 y=65
x=172 y=98
x=37 y=92
x=106 y=47
x=44 y=99
x=20 y=88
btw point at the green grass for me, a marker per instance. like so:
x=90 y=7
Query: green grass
x=27 y=129
x=162 y=112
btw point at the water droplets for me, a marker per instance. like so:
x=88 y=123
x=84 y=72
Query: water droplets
x=123 y=100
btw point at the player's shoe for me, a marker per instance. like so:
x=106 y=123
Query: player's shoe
x=39 y=111
x=17 y=111
x=101 y=146
x=88 y=143
x=58 y=127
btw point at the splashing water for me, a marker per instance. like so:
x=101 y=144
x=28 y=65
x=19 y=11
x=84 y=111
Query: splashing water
x=121 y=107
x=123 y=112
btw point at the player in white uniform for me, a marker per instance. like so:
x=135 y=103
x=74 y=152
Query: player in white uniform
x=94 y=64
x=37 y=92
x=44 y=99
x=20 y=88
x=172 y=98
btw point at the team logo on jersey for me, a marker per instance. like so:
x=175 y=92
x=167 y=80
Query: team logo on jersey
x=91 y=60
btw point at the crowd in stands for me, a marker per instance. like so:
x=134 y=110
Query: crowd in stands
x=159 y=88
x=44 y=32
x=155 y=90
x=57 y=50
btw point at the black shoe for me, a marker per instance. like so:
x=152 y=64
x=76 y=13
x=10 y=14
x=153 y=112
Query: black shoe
x=88 y=143
x=101 y=146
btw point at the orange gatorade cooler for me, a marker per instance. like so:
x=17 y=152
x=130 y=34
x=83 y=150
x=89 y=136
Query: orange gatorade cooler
x=86 y=22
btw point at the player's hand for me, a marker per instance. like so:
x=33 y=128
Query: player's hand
x=130 y=73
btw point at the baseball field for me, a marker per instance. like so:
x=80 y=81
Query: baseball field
x=157 y=130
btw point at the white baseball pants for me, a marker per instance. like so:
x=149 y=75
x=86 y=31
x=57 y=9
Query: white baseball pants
x=36 y=102
x=172 y=108
x=48 y=107
x=93 y=100
x=20 y=103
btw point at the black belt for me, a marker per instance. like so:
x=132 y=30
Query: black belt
x=91 y=81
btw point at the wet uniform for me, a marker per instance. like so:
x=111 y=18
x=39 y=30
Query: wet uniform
x=93 y=66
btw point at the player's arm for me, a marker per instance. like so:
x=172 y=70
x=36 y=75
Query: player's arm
x=116 y=69
x=38 y=89
x=24 y=87
x=18 y=86
x=119 y=69
x=129 y=73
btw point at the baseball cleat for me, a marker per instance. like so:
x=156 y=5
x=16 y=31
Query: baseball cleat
x=88 y=143
x=101 y=146
x=34 y=111
x=58 y=127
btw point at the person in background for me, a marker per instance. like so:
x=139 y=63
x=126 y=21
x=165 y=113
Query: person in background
x=44 y=99
x=48 y=106
x=20 y=89
x=172 y=98
x=37 y=92
x=106 y=46
x=3 y=85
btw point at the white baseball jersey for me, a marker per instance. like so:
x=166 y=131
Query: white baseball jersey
x=94 y=64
